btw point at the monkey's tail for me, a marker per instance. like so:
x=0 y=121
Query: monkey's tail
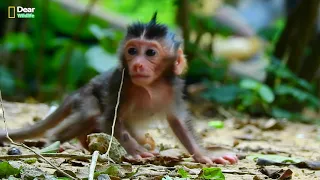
x=39 y=128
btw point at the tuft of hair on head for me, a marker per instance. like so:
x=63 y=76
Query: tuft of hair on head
x=154 y=18
x=150 y=30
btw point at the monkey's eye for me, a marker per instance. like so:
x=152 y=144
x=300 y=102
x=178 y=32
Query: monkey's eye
x=151 y=52
x=132 y=51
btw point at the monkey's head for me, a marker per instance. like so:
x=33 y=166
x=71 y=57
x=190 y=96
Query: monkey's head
x=151 y=52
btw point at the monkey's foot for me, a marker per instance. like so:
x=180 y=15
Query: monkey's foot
x=226 y=159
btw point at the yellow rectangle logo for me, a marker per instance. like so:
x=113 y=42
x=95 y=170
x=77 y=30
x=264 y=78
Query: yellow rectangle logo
x=14 y=12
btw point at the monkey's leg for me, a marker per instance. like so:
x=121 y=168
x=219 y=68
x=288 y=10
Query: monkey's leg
x=39 y=128
x=75 y=126
x=79 y=124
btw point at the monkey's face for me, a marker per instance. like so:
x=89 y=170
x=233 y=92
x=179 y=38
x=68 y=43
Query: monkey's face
x=144 y=60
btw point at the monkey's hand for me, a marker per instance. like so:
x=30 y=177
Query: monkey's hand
x=225 y=159
x=133 y=148
x=137 y=151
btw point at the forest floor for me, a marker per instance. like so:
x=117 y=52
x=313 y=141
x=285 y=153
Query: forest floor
x=282 y=149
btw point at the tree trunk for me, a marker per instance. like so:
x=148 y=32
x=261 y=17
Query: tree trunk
x=312 y=62
x=295 y=37
x=306 y=28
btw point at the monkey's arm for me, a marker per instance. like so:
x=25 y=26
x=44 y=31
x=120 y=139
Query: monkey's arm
x=181 y=130
x=129 y=143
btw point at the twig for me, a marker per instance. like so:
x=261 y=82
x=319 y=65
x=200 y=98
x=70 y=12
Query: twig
x=25 y=146
x=52 y=155
x=115 y=114
x=93 y=164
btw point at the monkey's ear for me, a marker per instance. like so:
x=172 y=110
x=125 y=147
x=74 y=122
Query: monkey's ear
x=180 y=65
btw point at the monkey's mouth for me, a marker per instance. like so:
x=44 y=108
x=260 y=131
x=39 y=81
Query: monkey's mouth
x=139 y=76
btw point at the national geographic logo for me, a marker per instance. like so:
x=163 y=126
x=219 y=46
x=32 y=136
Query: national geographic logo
x=20 y=12
x=11 y=12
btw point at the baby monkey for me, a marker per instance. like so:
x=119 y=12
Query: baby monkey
x=152 y=60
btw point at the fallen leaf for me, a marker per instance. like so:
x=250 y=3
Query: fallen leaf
x=112 y=170
x=286 y=174
x=32 y=173
x=314 y=165
x=59 y=174
x=30 y=160
x=274 y=158
x=273 y=124
x=216 y=124
x=211 y=173
x=52 y=148
x=183 y=173
x=271 y=172
x=248 y=137
x=7 y=170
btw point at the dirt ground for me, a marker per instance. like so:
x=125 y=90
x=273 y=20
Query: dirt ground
x=242 y=136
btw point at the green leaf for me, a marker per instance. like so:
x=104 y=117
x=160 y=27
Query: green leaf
x=7 y=81
x=183 y=173
x=76 y=66
x=281 y=113
x=274 y=158
x=263 y=90
x=216 y=124
x=212 y=173
x=52 y=148
x=17 y=41
x=100 y=33
x=281 y=71
x=100 y=60
x=249 y=84
x=300 y=95
x=111 y=170
x=129 y=175
x=223 y=94
x=198 y=68
x=61 y=20
x=30 y=160
x=266 y=93
x=7 y=170
x=248 y=98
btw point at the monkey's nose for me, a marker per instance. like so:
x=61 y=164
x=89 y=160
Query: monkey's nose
x=137 y=67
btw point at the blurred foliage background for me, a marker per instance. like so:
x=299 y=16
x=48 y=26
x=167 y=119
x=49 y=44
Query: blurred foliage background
x=259 y=57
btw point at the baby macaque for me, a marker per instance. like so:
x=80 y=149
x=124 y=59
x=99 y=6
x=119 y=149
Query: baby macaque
x=153 y=60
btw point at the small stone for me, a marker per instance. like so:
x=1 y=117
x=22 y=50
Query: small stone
x=100 y=142
x=14 y=151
